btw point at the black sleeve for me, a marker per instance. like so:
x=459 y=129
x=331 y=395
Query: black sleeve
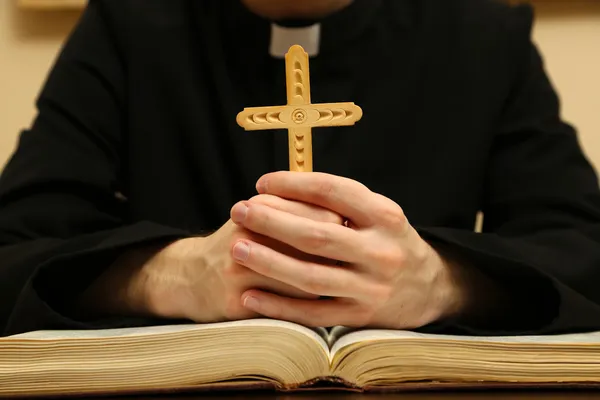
x=541 y=237
x=61 y=219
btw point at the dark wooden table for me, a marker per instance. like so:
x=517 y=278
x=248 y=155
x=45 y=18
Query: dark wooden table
x=495 y=395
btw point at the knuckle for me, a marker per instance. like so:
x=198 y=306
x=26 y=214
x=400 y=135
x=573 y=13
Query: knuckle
x=423 y=252
x=394 y=216
x=420 y=256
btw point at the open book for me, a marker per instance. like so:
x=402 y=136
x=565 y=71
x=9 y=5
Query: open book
x=285 y=356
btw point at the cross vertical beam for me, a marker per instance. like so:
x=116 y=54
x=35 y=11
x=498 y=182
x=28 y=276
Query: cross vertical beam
x=298 y=94
x=299 y=116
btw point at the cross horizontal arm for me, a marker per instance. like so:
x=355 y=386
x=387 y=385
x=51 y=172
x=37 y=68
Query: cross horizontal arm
x=305 y=116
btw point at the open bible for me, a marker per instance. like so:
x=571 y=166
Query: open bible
x=284 y=356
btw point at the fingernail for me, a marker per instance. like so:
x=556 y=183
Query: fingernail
x=261 y=186
x=241 y=251
x=251 y=303
x=239 y=212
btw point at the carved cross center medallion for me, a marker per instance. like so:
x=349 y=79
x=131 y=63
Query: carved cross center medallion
x=299 y=116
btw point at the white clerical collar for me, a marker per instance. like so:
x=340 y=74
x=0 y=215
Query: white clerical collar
x=282 y=38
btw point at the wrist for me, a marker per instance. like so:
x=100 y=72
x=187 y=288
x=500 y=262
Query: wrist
x=130 y=286
x=164 y=288
x=452 y=291
x=118 y=291
x=469 y=296
x=134 y=272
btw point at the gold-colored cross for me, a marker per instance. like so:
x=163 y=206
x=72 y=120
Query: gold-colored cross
x=299 y=116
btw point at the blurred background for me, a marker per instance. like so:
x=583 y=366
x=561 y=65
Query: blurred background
x=32 y=32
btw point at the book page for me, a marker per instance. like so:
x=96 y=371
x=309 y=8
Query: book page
x=319 y=336
x=104 y=333
x=348 y=337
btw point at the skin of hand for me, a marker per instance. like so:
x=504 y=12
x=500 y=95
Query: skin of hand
x=196 y=278
x=389 y=277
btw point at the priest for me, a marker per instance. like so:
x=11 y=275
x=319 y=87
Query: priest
x=135 y=198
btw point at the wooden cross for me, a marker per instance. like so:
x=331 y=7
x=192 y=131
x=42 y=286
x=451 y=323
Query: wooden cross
x=299 y=116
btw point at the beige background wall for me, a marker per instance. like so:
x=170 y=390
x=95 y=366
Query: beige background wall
x=569 y=36
x=29 y=42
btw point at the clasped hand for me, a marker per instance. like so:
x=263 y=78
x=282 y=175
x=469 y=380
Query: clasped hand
x=311 y=248
x=375 y=270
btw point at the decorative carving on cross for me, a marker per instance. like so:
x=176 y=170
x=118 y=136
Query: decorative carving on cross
x=299 y=116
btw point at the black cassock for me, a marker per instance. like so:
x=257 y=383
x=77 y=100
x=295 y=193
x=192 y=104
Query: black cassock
x=459 y=116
